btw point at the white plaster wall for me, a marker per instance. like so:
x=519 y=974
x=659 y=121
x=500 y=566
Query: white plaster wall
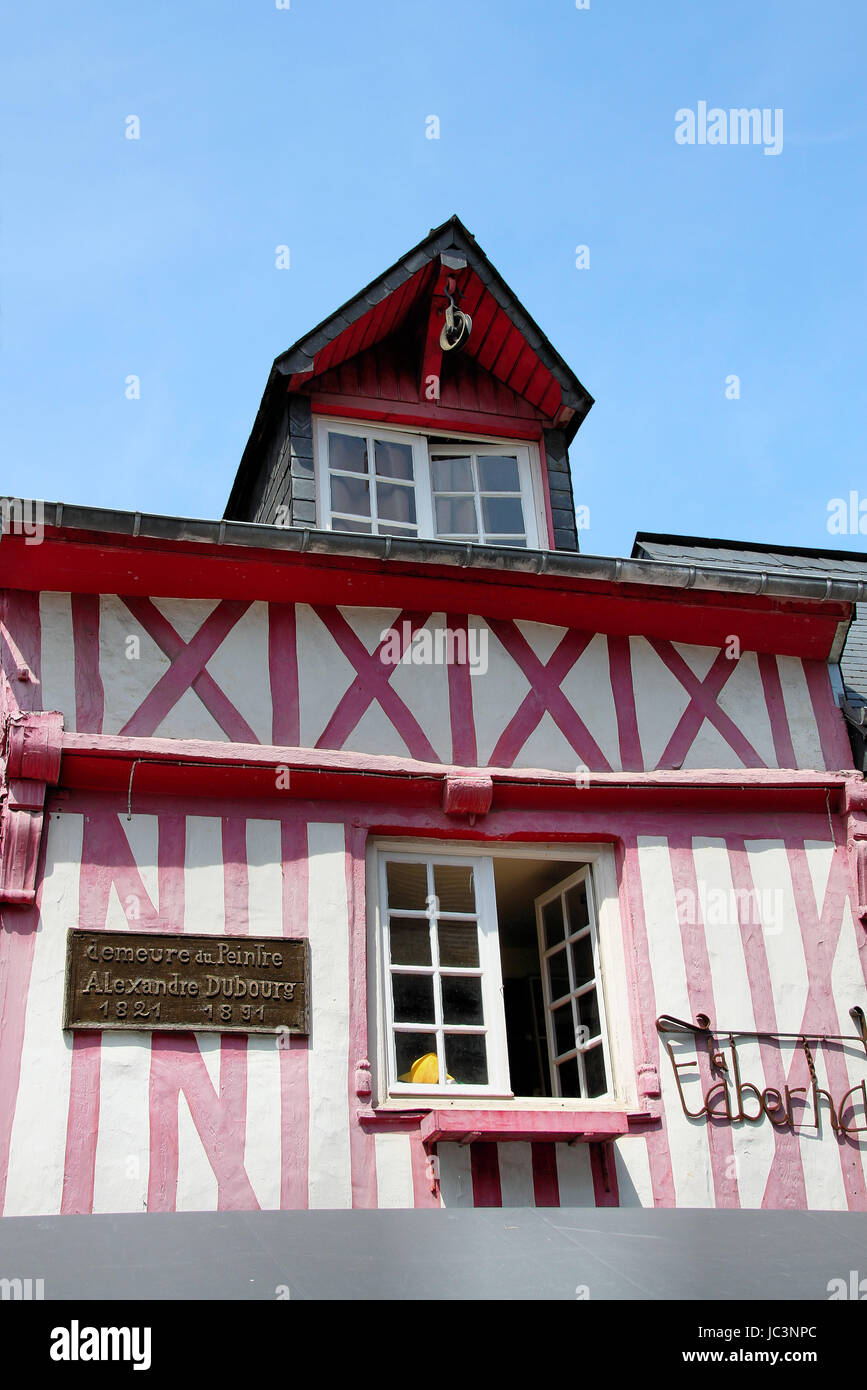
x=575 y=1176
x=58 y=656
x=328 y=1058
x=632 y=1166
x=127 y=680
x=691 y=1170
x=324 y=673
x=497 y=695
x=123 y=1141
x=425 y=691
x=516 y=1174
x=587 y=687
x=456 y=1176
x=752 y=1145
x=799 y=712
x=394 y=1171
x=197 y=1181
x=240 y=668
x=660 y=700
x=38 y=1145
x=262 y=1153
x=742 y=698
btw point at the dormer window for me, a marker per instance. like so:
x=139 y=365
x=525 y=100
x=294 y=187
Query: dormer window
x=371 y=481
x=386 y=482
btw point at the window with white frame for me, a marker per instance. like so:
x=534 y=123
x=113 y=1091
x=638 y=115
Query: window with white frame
x=395 y=483
x=569 y=953
x=491 y=982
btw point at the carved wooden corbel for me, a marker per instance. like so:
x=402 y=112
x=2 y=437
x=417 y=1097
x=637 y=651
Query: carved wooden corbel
x=648 y=1080
x=469 y=796
x=33 y=746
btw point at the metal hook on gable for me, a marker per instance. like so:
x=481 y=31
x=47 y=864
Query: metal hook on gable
x=458 y=325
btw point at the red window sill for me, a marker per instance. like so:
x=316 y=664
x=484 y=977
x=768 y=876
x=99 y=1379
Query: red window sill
x=502 y=1126
x=499 y=1126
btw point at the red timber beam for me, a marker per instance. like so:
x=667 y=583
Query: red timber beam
x=432 y=354
x=81 y=561
x=446 y=287
x=33 y=756
x=136 y=768
x=428 y=414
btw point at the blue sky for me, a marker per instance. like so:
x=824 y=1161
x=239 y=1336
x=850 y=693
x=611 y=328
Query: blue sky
x=306 y=127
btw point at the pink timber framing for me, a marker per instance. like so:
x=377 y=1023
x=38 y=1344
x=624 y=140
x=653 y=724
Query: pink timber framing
x=86 y=774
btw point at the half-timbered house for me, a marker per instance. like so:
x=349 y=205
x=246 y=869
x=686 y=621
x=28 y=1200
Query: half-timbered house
x=576 y=843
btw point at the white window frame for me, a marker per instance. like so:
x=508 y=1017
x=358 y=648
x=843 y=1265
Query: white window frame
x=526 y=452
x=613 y=981
x=489 y=970
x=361 y=430
x=575 y=992
x=476 y=451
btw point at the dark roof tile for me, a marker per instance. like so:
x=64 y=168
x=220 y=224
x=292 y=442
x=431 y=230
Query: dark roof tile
x=737 y=555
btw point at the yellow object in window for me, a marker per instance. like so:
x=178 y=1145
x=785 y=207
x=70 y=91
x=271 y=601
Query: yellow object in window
x=425 y=1071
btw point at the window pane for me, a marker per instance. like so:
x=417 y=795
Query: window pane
x=417 y=1057
x=407 y=885
x=350 y=495
x=359 y=528
x=507 y=540
x=570 y=1079
x=462 y=999
x=410 y=941
x=499 y=474
x=392 y=530
x=456 y=516
x=588 y=1011
x=459 y=943
x=503 y=514
x=582 y=960
x=559 y=974
x=452 y=475
x=348 y=451
x=594 y=1066
x=395 y=503
x=466 y=1058
x=576 y=906
x=453 y=886
x=564 y=1029
x=413 y=998
x=392 y=460
x=552 y=916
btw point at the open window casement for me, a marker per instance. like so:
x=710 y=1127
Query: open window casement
x=571 y=981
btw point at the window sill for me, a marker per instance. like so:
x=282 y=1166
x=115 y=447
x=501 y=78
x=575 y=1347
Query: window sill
x=517 y=1126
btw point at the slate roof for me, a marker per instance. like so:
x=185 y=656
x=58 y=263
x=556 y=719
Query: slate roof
x=829 y=564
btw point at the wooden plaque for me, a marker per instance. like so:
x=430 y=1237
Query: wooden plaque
x=174 y=980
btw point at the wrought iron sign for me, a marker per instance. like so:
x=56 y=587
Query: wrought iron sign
x=731 y=1098
x=169 y=981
